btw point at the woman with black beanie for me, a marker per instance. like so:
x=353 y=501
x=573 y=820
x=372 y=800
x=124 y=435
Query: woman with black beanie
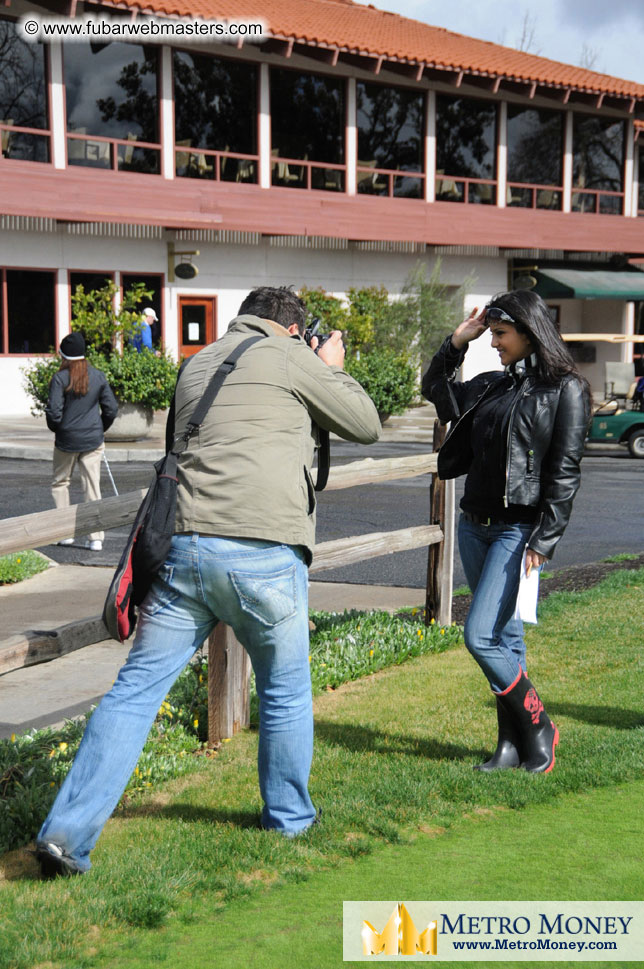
x=80 y=409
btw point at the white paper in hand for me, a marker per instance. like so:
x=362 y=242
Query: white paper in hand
x=526 y=607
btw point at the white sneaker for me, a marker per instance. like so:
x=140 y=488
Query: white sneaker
x=94 y=546
x=66 y=541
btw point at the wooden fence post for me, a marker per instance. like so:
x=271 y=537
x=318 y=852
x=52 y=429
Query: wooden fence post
x=438 y=599
x=228 y=685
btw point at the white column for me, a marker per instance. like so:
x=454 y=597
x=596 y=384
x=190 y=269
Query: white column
x=63 y=315
x=351 y=140
x=567 y=164
x=628 y=168
x=264 y=127
x=166 y=119
x=636 y=179
x=502 y=157
x=430 y=146
x=628 y=328
x=57 y=105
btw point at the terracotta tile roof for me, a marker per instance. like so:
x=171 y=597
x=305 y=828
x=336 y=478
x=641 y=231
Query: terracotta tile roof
x=367 y=30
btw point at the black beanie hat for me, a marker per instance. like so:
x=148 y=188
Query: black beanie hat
x=72 y=347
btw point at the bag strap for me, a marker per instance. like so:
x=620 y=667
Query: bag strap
x=199 y=414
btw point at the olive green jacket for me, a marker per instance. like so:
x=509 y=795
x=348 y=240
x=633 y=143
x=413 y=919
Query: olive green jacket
x=246 y=471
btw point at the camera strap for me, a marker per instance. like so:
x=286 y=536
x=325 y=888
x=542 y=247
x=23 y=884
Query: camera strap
x=324 y=460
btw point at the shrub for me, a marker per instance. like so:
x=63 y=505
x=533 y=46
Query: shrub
x=139 y=378
x=136 y=378
x=388 y=378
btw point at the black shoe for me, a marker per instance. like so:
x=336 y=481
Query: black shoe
x=538 y=736
x=54 y=862
x=506 y=754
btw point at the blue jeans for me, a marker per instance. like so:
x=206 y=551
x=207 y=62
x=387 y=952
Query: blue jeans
x=491 y=556
x=258 y=588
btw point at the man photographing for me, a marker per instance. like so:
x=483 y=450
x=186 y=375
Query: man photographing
x=244 y=534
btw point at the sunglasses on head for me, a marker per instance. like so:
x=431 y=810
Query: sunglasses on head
x=495 y=313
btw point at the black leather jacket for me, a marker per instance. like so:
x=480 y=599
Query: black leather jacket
x=545 y=442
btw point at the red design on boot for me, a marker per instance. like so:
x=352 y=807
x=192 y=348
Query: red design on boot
x=533 y=705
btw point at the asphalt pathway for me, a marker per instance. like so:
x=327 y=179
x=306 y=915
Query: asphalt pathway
x=607 y=516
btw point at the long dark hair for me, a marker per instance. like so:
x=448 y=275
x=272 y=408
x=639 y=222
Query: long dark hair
x=78 y=377
x=533 y=319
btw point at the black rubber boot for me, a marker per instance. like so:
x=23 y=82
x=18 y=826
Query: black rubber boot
x=506 y=754
x=537 y=734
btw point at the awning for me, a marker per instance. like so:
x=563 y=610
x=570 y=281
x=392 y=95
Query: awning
x=589 y=284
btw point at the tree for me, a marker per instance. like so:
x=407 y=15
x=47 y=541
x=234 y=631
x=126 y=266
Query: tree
x=94 y=315
x=426 y=312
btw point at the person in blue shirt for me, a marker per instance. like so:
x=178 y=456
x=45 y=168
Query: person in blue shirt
x=143 y=335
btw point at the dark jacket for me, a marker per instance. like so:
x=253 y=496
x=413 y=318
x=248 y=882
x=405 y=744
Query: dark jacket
x=79 y=422
x=545 y=440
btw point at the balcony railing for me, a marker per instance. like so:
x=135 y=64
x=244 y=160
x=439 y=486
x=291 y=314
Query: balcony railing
x=597 y=201
x=220 y=166
x=393 y=182
x=24 y=144
x=531 y=196
x=452 y=188
x=302 y=173
x=119 y=154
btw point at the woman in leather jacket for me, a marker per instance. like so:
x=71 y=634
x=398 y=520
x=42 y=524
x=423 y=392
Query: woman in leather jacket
x=518 y=434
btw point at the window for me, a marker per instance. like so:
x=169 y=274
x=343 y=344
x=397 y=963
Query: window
x=307 y=121
x=598 y=164
x=216 y=112
x=155 y=285
x=89 y=281
x=112 y=106
x=640 y=179
x=465 y=150
x=23 y=97
x=535 y=157
x=30 y=323
x=390 y=140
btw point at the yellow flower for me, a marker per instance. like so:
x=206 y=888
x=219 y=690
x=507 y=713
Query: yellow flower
x=226 y=740
x=370 y=652
x=309 y=659
x=62 y=746
x=420 y=632
x=52 y=784
x=195 y=723
x=432 y=621
x=200 y=678
x=51 y=753
x=13 y=738
x=18 y=561
x=137 y=771
x=414 y=611
x=442 y=632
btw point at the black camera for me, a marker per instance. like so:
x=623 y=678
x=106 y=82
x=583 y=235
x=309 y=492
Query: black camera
x=312 y=331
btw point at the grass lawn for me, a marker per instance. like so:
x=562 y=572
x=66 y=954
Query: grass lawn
x=182 y=877
x=301 y=924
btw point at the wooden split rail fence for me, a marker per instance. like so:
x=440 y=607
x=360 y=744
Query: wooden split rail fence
x=228 y=663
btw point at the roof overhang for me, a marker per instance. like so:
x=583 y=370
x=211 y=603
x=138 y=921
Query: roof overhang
x=589 y=284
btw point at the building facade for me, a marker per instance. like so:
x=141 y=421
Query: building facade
x=342 y=149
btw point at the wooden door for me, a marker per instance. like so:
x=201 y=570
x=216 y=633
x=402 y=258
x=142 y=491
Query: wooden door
x=197 y=323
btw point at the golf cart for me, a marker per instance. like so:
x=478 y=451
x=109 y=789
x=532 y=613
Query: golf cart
x=618 y=427
x=619 y=418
